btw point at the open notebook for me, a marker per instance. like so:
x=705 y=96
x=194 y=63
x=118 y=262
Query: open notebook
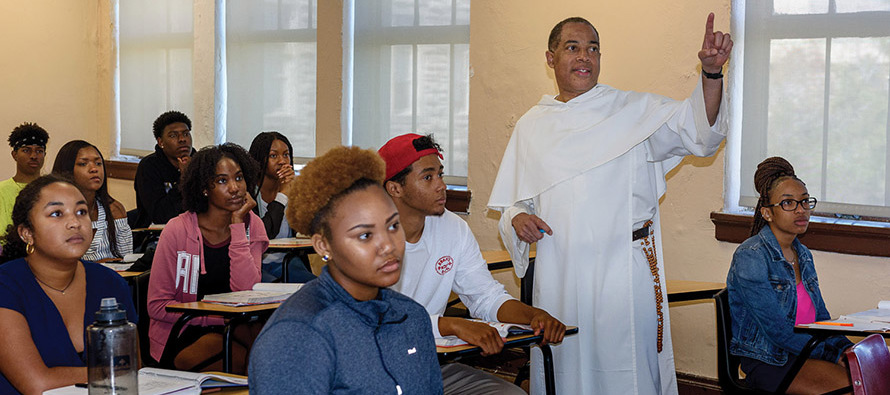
x=869 y=320
x=154 y=381
x=504 y=329
x=262 y=293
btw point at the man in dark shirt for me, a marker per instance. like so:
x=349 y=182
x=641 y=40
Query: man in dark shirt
x=157 y=178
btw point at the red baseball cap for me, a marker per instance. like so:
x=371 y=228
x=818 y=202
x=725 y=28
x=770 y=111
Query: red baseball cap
x=400 y=152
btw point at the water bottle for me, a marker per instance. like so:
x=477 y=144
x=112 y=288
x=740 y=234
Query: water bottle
x=112 y=355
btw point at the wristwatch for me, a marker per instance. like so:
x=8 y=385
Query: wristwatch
x=714 y=76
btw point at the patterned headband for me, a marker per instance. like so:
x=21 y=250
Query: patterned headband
x=29 y=140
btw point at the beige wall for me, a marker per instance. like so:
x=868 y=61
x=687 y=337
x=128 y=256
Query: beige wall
x=56 y=71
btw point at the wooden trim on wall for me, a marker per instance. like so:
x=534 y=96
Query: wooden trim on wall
x=458 y=201
x=843 y=238
x=121 y=170
x=690 y=384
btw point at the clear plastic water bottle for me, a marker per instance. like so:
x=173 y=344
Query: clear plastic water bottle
x=112 y=354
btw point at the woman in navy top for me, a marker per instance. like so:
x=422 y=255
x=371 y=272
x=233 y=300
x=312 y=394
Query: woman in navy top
x=345 y=332
x=48 y=296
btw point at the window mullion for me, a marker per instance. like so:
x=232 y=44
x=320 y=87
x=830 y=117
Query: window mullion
x=826 y=119
x=887 y=147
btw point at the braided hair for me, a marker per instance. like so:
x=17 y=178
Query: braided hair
x=769 y=174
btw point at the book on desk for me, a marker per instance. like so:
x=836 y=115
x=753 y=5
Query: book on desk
x=505 y=330
x=154 y=381
x=262 y=293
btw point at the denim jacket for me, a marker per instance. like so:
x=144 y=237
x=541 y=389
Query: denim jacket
x=763 y=302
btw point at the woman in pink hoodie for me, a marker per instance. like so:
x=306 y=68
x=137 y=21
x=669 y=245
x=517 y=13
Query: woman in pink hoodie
x=216 y=246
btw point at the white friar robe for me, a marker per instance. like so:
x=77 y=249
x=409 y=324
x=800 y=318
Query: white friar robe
x=593 y=169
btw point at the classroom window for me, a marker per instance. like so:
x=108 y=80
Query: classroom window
x=270 y=64
x=411 y=74
x=814 y=84
x=155 y=67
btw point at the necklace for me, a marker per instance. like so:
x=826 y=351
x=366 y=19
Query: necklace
x=62 y=291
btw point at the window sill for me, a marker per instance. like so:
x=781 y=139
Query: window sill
x=457 y=198
x=121 y=170
x=846 y=238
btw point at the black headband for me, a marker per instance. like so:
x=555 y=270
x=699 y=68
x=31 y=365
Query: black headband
x=29 y=140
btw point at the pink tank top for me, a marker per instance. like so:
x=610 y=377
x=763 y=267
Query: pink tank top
x=806 y=312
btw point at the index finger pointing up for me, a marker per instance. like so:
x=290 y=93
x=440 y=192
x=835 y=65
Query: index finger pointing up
x=709 y=31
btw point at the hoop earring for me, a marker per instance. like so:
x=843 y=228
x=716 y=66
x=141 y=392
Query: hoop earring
x=29 y=248
x=326 y=258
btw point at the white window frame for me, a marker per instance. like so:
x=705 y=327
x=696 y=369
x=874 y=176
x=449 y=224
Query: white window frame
x=752 y=54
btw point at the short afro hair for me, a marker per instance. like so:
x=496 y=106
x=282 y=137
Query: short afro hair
x=556 y=32
x=27 y=132
x=326 y=179
x=201 y=172
x=167 y=118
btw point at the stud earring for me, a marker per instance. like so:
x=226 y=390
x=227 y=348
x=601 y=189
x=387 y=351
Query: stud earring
x=325 y=258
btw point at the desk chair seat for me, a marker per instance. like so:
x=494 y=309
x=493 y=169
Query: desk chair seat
x=869 y=363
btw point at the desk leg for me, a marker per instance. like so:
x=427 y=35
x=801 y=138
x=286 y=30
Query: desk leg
x=172 y=346
x=227 y=346
x=549 y=380
x=284 y=270
x=795 y=368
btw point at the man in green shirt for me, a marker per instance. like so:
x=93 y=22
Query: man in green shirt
x=28 y=142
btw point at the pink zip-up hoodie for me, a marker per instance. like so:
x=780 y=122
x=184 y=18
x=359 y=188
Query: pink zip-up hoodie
x=178 y=260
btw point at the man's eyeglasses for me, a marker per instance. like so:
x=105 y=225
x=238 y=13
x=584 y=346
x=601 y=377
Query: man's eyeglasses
x=791 y=204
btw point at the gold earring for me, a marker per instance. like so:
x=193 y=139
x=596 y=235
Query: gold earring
x=325 y=258
x=29 y=248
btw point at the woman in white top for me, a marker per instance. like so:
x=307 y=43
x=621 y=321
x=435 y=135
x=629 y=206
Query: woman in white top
x=83 y=163
x=273 y=152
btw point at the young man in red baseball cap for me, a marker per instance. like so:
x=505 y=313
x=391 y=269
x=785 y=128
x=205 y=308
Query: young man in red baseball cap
x=441 y=256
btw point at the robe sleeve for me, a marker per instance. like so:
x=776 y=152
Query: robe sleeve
x=687 y=132
x=517 y=248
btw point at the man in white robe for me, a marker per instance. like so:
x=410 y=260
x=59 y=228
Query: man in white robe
x=581 y=176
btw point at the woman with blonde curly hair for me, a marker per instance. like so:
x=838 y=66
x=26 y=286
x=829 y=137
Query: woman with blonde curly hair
x=345 y=332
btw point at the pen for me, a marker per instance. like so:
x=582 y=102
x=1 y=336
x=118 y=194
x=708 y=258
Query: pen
x=81 y=385
x=834 y=323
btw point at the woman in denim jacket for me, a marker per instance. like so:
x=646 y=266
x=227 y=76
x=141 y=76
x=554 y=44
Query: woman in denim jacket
x=772 y=286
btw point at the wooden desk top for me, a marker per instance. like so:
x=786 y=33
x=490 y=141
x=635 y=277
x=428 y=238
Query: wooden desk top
x=500 y=256
x=128 y=274
x=678 y=290
x=218 y=309
x=289 y=243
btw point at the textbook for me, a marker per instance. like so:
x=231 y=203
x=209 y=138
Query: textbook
x=505 y=329
x=878 y=315
x=154 y=381
x=262 y=293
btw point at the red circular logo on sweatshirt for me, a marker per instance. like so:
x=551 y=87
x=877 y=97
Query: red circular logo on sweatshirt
x=444 y=265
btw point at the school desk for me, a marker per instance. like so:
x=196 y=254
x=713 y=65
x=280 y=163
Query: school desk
x=234 y=316
x=821 y=332
x=455 y=353
x=678 y=290
x=294 y=247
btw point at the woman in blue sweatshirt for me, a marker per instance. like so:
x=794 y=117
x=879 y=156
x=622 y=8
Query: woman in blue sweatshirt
x=345 y=332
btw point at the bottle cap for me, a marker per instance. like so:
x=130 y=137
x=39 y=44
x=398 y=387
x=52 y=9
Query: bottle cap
x=110 y=311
